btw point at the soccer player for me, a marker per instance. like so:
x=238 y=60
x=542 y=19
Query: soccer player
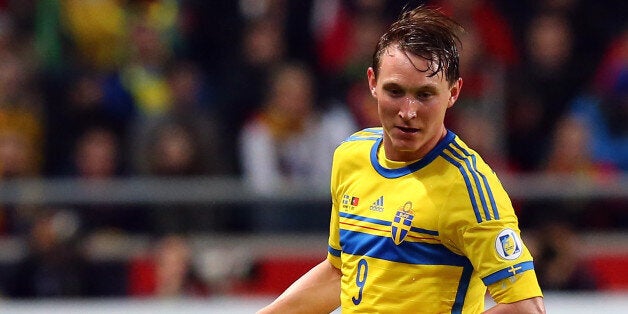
x=420 y=223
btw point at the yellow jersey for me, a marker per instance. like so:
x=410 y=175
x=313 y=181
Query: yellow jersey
x=423 y=237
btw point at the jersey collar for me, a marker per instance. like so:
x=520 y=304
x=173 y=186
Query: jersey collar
x=399 y=172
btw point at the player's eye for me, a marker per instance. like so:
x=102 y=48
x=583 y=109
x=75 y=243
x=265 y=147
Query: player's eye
x=394 y=92
x=424 y=95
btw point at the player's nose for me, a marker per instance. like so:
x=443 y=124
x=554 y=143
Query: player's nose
x=408 y=109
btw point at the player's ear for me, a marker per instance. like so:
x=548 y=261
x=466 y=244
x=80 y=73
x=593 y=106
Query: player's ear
x=370 y=74
x=454 y=92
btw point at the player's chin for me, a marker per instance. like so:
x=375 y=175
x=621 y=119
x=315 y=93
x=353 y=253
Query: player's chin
x=408 y=137
x=406 y=144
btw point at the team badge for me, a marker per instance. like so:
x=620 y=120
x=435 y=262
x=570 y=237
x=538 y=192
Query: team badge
x=402 y=223
x=508 y=244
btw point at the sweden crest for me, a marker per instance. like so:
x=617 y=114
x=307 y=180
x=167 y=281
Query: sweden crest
x=402 y=223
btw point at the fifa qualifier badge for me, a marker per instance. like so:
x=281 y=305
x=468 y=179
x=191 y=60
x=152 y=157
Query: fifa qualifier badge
x=402 y=223
x=508 y=244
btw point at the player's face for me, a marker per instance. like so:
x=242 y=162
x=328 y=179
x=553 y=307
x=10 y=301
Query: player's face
x=411 y=104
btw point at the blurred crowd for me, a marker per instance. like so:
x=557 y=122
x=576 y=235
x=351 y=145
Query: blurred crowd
x=265 y=89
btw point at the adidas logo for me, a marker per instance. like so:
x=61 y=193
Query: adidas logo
x=378 y=205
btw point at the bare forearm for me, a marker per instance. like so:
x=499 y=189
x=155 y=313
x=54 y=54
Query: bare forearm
x=317 y=291
x=528 y=306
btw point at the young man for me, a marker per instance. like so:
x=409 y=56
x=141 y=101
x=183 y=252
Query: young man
x=420 y=224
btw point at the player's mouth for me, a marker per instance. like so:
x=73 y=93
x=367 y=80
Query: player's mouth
x=407 y=130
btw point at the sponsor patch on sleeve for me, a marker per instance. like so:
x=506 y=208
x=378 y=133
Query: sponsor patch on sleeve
x=508 y=244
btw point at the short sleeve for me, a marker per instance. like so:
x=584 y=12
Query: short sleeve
x=491 y=240
x=501 y=259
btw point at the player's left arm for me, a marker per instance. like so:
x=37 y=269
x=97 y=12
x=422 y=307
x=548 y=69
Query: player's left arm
x=488 y=234
x=532 y=305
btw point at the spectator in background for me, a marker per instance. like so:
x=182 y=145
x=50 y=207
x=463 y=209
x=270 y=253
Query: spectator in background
x=553 y=223
x=262 y=47
x=53 y=267
x=276 y=145
x=191 y=112
x=21 y=123
x=21 y=115
x=97 y=154
x=96 y=29
x=604 y=106
x=602 y=110
x=183 y=142
x=175 y=149
x=540 y=89
x=171 y=149
x=97 y=157
x=83 y=104
x=81 y=46
x=166 y=271
x=144 y=75
x=287 y=145
x=569 y=154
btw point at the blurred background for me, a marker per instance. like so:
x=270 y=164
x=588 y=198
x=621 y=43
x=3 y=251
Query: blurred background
x=164 y=155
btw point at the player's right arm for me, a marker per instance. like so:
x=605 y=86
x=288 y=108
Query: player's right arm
x=317 y=291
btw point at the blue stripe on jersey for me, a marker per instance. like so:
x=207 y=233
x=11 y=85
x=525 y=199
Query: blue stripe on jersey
x=488 y=187
x=400 y=172
x=363 y=218
x=385 y=223
x=463 y=286
x=476 y=210
x=333 y=251
x=417 y=253
x=478 y=185
x=507 y=272
x=421 y=230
